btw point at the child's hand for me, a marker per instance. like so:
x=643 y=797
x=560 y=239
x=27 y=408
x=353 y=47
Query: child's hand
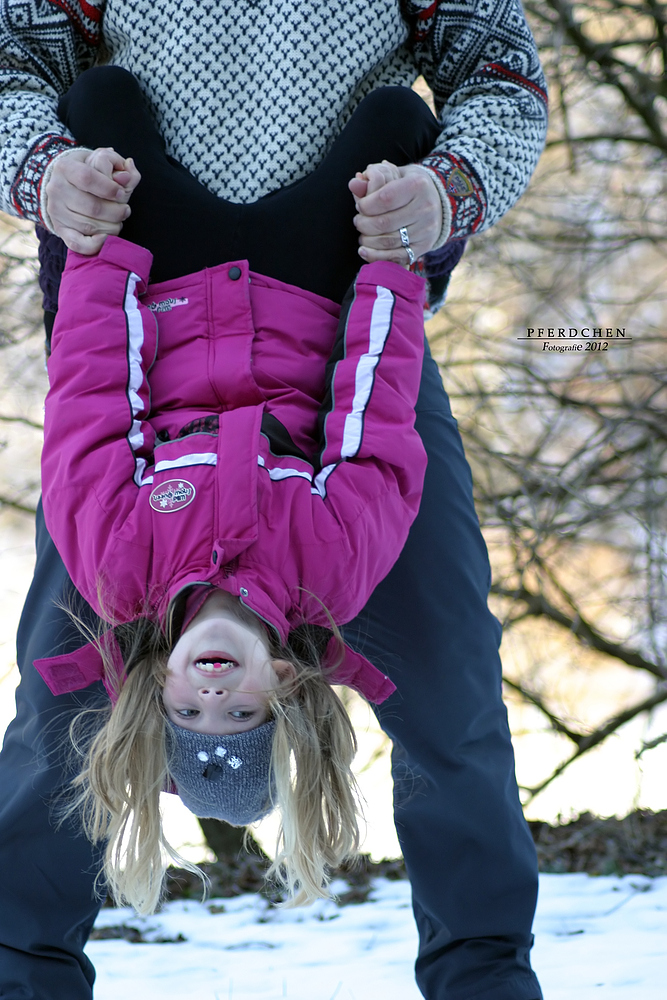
x=375 y=176
x=389 y=198
x=86 y=196
x=123 y=171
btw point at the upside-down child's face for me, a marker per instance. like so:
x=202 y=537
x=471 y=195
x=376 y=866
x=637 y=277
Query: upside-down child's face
x=220 y=672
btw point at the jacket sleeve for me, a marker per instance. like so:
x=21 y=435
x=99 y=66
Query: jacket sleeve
x=366 y=487
x=480 y=59
x=44 y=46
x=97 y=440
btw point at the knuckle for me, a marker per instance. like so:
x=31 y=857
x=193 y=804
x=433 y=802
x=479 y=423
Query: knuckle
x=64 y=164
x=95 y=208
x=85 y=172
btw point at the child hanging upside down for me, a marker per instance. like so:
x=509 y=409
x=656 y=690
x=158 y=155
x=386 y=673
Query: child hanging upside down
x=230 y=467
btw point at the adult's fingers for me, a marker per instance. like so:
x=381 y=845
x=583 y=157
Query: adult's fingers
x=86 y=226
x=411 y=203
x=66 y=200
x=73 y=170
x=78 y=208
x=417 y=219
x=81 y=199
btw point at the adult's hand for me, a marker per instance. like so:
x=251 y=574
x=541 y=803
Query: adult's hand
x=87 y=194
x=389 y=198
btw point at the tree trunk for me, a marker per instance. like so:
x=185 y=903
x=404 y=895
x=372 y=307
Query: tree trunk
x=227 y=842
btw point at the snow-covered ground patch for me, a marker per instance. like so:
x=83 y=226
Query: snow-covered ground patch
x=597 y=939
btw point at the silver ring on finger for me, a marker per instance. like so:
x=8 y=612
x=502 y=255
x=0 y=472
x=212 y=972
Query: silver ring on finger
x=405 y=240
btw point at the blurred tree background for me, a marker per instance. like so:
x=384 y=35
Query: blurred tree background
x=568 y=447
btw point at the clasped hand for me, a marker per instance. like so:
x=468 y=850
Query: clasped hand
x=388 y=199
x=87 y=197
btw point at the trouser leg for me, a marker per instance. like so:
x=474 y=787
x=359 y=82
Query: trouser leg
x=47 y=899
x=468 y=852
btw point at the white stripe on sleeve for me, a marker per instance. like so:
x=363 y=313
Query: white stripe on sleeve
x=135 y=331
x=363 y=382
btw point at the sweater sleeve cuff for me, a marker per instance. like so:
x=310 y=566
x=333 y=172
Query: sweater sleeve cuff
x=446 y=227
x=27 y=190
x=464 y=192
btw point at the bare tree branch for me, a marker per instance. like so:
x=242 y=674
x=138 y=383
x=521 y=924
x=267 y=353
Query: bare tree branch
x=17 y=505
x=25 y=421
x=598 y=736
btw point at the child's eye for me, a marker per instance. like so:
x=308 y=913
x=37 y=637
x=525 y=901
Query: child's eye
x=242 y=716
x=187 y=713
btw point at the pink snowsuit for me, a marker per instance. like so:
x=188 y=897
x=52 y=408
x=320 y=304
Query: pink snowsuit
x=291 y=509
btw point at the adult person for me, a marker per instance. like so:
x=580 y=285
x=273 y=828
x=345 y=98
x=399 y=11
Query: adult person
x=248 y=96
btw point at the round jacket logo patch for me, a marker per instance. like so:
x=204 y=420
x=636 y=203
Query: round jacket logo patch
x=171 y=496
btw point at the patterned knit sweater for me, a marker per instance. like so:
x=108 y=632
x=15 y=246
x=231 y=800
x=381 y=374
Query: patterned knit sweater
x=249 y=94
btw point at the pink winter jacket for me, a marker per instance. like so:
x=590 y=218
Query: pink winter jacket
x=186 y=442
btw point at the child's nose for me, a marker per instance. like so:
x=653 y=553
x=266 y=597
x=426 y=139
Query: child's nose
x=212 y=692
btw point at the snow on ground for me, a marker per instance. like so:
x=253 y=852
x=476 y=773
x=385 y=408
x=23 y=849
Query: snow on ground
x=596 y=939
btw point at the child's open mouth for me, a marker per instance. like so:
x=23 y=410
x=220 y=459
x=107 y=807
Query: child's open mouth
x=214 y=662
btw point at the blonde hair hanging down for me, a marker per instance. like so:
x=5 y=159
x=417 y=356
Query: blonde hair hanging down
x=126 y=767
x=316 y=792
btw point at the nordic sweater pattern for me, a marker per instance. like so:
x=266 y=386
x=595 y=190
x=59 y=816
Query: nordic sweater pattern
x=274 y=82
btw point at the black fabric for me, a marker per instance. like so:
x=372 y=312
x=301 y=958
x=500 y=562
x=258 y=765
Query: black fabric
x=337 y=354
x=49 y=320
x=280 y=439
x=209 y=424
x=302 y=234
x=52 y=254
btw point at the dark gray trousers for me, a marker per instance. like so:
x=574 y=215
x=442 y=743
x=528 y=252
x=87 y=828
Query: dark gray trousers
x=469 y=854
